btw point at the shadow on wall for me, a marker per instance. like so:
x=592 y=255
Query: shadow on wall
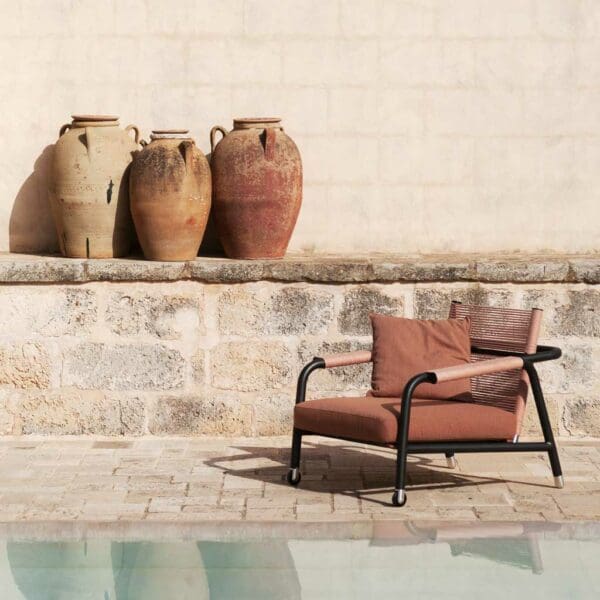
x=31 y=227
x=211 y=245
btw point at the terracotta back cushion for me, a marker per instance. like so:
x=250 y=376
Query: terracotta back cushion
x=402 y=348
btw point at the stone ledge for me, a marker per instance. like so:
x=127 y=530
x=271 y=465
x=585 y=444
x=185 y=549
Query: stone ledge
x=378 y=268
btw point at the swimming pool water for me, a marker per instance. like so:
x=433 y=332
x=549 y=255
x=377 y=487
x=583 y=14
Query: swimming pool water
x=397 y=560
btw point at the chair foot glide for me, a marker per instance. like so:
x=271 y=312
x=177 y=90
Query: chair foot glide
x=293 y=476
x=559 y=482
x=399 y=498
x=451 y=462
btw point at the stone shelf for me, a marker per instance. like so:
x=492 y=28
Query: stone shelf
x=20 y=268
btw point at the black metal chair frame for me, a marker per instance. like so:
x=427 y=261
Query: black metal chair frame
x=404 y=447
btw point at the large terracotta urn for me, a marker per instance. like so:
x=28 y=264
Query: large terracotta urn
x=257 y=188
x=88 y=188
x=170 y=188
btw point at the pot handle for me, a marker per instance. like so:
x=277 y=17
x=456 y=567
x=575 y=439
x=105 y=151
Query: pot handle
x=64 y=129
x=213 y=131
x=270 y=143
x=187 y=148
x=136 y=130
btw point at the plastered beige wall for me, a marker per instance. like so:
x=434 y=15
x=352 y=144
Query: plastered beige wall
x=424 y=125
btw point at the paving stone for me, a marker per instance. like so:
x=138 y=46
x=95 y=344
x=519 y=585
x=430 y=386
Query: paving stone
x=270 y=514
x=72 y=493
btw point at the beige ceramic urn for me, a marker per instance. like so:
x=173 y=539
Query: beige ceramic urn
x=170 y=188
x=88 y=190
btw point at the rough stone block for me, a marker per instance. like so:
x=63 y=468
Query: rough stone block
x=287 y=311
x=7 y=419
x=47 y=311
x=295 y=310
x=249 y=366
x=434 y=302
x=132 y=415
x=549 y=300
x=574 y=372
x=166 y=316
x=586 y=271
x=134 y=270
x=581 y=415
x=24 y=366
x=199 y=366
x=355 y=378
x=241 y=311
x=25 y=269
x=581 y=316
x=68 y=412
x=521 y=270
x=210 y=414
x=273 y=414
x=424 y=270
x=359 y=302
x=123 y=367
x=531 y=423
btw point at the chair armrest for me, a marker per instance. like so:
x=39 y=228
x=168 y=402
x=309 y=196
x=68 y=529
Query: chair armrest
x=347 y=358
x=484 y=367
x=543 y=353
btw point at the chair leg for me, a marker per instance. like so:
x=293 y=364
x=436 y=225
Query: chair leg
x=540 y=404
x=294 y=476
x=399 y=495
x=559 y=482
x=450 y=460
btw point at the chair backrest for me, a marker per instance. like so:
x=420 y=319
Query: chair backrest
x=507 y=329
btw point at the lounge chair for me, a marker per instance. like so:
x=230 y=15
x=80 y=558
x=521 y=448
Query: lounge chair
x=504 y=353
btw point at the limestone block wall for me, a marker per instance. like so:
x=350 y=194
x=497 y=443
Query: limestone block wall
x=424 y=125
x=217 y=350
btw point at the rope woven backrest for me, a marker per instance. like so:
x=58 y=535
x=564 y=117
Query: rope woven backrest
x=506 y=329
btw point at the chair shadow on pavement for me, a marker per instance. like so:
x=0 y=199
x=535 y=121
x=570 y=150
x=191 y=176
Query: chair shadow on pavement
x=351 y=471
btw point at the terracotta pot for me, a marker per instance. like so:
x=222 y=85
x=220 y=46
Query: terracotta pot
x=170 y=196
x=257 y=188
x=88 y=187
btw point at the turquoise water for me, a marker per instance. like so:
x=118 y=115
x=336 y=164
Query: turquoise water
x=396 y=561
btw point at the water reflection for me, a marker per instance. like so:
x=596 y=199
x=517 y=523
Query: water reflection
x=398 y=558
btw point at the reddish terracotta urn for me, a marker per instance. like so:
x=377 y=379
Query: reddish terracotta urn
x=170 y=190
x=257 y=188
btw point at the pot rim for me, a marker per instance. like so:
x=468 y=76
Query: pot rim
x=256 y=122
x=170 y=134
x=98 y=118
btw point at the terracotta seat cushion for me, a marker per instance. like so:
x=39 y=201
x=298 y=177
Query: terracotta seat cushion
x=373 y=419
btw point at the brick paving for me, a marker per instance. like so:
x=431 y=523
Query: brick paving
x=242 y=479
